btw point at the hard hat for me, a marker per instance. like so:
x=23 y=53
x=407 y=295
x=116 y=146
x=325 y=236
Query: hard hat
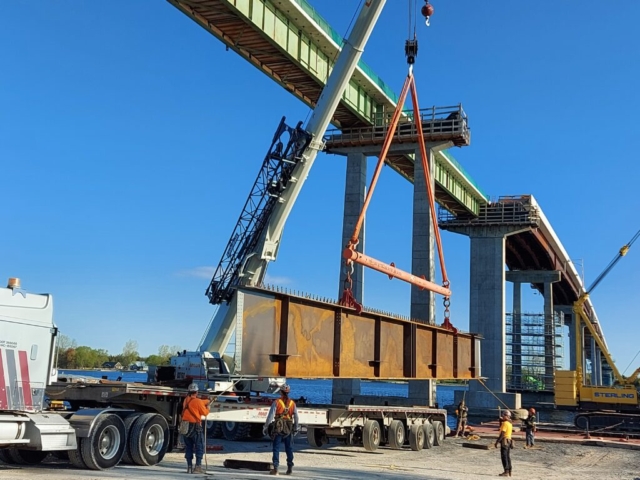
x=532 y=410
x=506 y=413
x=285 y=388
x=193 y=387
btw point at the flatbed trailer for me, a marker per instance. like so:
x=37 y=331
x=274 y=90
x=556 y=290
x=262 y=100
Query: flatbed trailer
x=366 y=425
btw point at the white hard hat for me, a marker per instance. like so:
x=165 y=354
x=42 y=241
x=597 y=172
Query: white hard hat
x=193 y=387
x=506 y=413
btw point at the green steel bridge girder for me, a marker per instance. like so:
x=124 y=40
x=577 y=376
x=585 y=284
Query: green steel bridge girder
x=304 y=38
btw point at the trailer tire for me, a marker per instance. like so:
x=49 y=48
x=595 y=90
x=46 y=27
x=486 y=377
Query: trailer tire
x=235 y=430
x=214 y=429
x=27 y=457
x=371 y=435
x=316 y=437
x=439 y=436
x=5 y=457
x=75 y=456
x=429 y=435
x=396 y=434
x=104 y=447
x=416 y=437
x=128 y=422
x=149 y=440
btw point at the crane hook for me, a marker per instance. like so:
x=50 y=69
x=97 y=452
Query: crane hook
x=427 y=11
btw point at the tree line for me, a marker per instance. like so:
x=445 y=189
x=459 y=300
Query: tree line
x=70 y=355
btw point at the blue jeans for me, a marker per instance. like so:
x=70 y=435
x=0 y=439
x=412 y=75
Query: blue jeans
x=530 y=437
x=194 y=443
x=277 y=440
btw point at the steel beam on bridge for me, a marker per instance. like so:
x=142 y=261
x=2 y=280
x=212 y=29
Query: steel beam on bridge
x=278 y=334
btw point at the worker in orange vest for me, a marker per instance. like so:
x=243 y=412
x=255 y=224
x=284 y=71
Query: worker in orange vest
x=282 y=425
x=193 y=409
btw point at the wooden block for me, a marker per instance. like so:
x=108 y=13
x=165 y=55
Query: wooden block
x=479 y=446
x=248 y=465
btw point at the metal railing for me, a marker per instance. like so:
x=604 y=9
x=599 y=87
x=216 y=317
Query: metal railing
x=437 y=122
x=509 y=210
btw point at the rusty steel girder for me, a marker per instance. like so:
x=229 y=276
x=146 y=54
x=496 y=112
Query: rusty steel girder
x=279 y=334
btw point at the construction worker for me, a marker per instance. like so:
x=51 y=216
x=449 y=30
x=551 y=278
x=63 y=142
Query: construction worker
x=530 y=428
x=193 y=409
x=505 y=442
x=462 y=413
x=282 y=425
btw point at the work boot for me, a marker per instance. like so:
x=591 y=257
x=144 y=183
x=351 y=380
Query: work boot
x=289 y=471
x=504 y=474
x=273 y=471
x=189 y=469
x=198 y=469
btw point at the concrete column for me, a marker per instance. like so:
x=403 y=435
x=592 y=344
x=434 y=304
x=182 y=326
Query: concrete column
x=567 y=310
x=516 y=337
x=355 y=187
x=549 y=336
x=354 y=193
x=422 y=392
x=487 y=306
x=423 y=242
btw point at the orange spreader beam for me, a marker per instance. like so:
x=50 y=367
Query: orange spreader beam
x=394 y=272
x=350 y=253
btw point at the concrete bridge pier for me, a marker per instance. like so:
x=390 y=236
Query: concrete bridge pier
x=547 y=278
x=567 y=311
x=423 y=302
x=354 y=193
x=487 y=312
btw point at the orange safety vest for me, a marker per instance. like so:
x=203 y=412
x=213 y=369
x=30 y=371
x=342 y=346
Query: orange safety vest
x=285 y=411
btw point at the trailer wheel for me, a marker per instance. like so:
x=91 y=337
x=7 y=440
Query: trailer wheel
x=429 y=434
x=371 y=435
x=235 y=430
x=214 y=429
x=104 y=448
x=27 y=457
x=396 y=434
x=5 y=457
x=75 y=456
x=128 y=422
x=316 y=437
x=416 y=437
x=439 y=436
x=150 y=437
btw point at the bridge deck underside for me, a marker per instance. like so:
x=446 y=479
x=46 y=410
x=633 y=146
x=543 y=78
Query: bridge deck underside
x=529 y=251
x=250 y=41
x=247 y=40
x=298 y=337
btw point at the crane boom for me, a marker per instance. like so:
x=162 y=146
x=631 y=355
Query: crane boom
x=252 y=267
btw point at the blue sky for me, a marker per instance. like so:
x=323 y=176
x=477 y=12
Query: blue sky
x=130 y=138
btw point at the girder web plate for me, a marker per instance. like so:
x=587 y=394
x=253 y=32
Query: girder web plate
x=298 y=337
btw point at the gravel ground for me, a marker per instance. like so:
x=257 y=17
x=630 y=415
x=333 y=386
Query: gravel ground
x=450 y=461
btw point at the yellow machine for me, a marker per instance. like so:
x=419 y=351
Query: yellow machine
x=604 y=406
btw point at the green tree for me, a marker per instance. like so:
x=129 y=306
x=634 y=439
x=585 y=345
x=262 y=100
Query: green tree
x=154 y=360
x=64 y=344
x=85 y=357
x=166 y=352
x=130 y=353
